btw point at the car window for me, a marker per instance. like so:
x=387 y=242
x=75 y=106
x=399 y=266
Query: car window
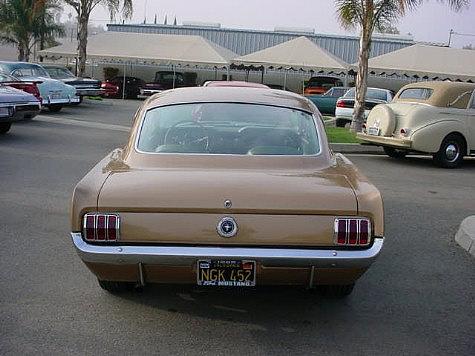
x=33 y=71
x=6 y=78
x=416 y=93
x=371 y=93
x=59 y=73
x=228 y=128
x=323 y=81
x=337 y=92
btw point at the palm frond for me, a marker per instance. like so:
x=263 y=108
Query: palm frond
x=349 y=13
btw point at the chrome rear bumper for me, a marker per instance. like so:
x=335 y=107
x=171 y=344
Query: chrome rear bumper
x=188 y=255
x=385 y=140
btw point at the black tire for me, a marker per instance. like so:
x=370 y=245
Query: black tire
x=5 y=127
x=341 y=122
x=55 y=108
x=116 y=287
x=451 y=152
x=336 y=291
x=394 y=152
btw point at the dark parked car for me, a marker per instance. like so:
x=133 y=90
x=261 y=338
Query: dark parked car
x=113 y=87
x=164 y=80
x=84 y=86
x=326 y=103
x=16 y=105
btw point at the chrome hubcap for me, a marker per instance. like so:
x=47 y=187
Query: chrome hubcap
x=452 y=152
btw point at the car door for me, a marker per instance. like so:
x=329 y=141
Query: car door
x=471 y=123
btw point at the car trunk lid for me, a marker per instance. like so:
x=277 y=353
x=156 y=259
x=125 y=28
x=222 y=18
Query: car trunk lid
x=185 y=206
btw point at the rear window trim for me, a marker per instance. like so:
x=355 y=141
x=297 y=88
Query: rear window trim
x=142 y=119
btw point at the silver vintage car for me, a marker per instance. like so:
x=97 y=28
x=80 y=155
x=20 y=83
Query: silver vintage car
x=54 y=93
x=428 y=117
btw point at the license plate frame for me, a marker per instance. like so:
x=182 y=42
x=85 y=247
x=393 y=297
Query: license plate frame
x=374 y=131
x=226 y=273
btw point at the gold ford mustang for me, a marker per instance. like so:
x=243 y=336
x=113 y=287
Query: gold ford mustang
x=227 y=187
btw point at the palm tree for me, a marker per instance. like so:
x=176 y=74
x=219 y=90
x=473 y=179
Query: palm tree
x=83 y=10
x=367 y=16
x=24 y=23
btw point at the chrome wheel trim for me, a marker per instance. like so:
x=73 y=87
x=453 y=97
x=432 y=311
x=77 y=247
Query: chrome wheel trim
x=452 y=152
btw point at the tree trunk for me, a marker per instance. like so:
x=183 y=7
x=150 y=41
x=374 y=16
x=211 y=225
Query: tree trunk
x=27 y=53
x=361 y=79
x=83 y=20
x=21 y=52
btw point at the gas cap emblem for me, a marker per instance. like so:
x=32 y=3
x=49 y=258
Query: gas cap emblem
x=227 y=227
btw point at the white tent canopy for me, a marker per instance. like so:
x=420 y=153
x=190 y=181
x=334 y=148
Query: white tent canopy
x=150 y=49
x=297 y=54
x=427 y=62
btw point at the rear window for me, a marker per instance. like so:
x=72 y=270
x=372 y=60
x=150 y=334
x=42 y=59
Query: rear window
x=228 y=128
x=324 y=81
x=30 y=71
x=416 y=93
x=377 y=94
x=59 y=73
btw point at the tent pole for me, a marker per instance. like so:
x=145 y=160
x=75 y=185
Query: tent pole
x=227 y=75
x=123 y=84
x=262 y=75
x=174 y=75
x=285 y=78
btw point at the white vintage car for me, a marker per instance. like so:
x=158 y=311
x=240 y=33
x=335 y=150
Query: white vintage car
x=429 y=117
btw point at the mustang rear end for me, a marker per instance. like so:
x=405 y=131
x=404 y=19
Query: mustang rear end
x=227 y=187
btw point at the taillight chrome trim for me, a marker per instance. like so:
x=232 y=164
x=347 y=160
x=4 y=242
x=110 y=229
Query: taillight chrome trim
x=107 y=217
x=347 y=221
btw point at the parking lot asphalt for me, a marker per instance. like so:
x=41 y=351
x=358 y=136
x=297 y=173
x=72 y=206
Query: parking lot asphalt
x=417 y=299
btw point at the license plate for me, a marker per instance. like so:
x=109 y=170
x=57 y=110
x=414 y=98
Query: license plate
x=4 y=112
x=55 y=96
x=373 y=131
x=226 y=273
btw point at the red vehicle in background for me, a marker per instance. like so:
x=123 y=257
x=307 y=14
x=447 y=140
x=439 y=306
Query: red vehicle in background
x=113 y=87
x=110 y=90
x=321 y=84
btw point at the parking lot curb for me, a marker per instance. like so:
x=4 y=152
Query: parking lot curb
x=348 y=148
x=465 y=236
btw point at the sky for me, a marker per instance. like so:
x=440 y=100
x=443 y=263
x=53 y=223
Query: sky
x=431 y=22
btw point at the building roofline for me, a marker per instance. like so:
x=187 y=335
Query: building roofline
x=376 y=37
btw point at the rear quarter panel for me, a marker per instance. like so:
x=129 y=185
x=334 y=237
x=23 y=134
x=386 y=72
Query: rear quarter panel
x=370 y=202
x=86 y=193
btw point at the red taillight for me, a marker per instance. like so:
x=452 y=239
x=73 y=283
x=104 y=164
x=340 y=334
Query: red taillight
x=30 y=88
x=341 y=232
x=352 y=231
x=340 y=104
x=101 y=227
